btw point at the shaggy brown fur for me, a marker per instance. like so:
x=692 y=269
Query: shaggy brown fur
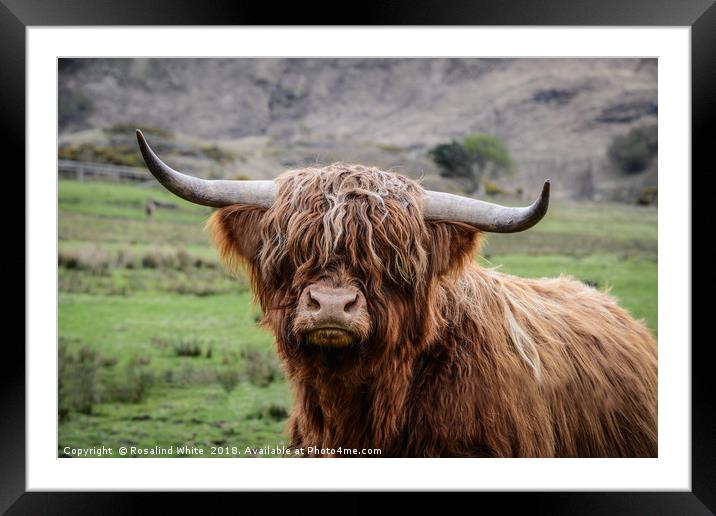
x=459 y=360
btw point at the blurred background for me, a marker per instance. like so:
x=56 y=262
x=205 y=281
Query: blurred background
x=158 y=346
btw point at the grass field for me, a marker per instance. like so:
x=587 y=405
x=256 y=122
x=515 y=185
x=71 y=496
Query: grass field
x=159 y=347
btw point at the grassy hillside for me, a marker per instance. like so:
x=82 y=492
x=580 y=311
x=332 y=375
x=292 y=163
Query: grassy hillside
x=159 y=347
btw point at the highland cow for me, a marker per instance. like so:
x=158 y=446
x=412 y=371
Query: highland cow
x=394 y=338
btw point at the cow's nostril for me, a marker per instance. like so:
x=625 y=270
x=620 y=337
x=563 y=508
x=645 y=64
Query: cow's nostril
x=350 y=305
x=313 y=302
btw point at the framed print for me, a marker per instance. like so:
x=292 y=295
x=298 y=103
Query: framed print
x=438 y=249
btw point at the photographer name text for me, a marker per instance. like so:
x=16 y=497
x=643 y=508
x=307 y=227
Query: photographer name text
x=219 y=451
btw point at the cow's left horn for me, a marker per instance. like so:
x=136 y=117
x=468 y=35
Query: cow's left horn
x=483 y=215
x=216 y=193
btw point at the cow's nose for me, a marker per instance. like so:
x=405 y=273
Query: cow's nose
x=332 y=300
x=330 y=305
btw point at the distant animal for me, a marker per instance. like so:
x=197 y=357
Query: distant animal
x=151 y=205
x=394 y=338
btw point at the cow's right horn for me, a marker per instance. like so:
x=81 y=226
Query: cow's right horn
x=216 y=193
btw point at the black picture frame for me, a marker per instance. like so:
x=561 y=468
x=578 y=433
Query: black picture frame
x=700 y=15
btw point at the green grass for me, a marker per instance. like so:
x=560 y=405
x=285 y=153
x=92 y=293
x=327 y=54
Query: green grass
x=584 y=230
x=200 y=416
x=186 y=405
x=133 y=320
x=112 y=201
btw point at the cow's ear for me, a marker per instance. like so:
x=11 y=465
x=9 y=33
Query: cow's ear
x=452 y=245
x=236 y=231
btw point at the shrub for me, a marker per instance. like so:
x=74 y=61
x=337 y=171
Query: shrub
x=185 y=261
x=189 y=375
x=168 y=375
x=77 y=385
x=634 y=151
x=108 y=361
x=228 y=358
x=228 y=378
x=126 y=259
x=141 y=360
x=259 y=367
x=152 y=260
x=98 y=259
x=272 y=411
x=492 y=188
x=647 y=196
x=93 y=259
x=159 y=342
x=196 y=289
x=187 y=348
x=130 y=387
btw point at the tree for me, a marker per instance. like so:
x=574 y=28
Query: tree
x=472 y=159
x=454 y=161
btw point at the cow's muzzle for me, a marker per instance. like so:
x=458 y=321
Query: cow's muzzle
x=331 y=316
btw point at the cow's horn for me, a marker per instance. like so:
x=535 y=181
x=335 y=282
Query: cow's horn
x=483 y=215
x=216 y=193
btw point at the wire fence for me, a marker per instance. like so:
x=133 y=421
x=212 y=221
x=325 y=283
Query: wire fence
x=83 y=170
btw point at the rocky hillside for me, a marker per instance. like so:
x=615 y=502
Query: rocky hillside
x=256 y=117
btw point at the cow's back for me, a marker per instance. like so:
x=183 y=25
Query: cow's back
x=538 y=368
